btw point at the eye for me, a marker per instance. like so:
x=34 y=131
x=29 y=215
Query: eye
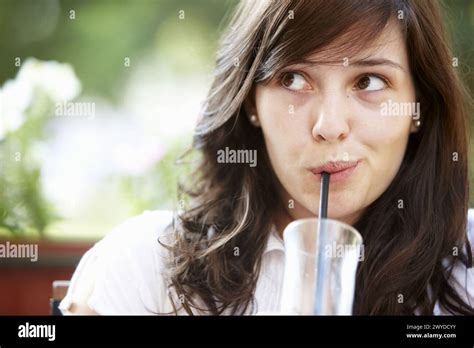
x=371 y=83
x=294 y=81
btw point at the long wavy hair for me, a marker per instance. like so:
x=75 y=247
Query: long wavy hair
x=230 y=207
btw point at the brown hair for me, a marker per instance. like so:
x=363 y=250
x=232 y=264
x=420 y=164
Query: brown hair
x=231 y=205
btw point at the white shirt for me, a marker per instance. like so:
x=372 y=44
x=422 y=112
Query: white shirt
x=123 y=273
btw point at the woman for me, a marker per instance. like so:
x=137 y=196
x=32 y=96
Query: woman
x=365 y=85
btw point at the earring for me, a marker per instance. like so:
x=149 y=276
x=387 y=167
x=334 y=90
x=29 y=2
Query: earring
x=254 y=119
x=417 y=121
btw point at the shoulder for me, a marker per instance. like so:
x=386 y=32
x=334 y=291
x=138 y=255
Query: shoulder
x=138 y=234
x=124 y=272
x=136 y=241
x=462 y=277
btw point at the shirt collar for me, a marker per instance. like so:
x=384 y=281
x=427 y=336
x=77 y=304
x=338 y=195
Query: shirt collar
x=274 y=241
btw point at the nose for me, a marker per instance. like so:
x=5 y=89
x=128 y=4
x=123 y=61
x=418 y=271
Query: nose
x=332 y=116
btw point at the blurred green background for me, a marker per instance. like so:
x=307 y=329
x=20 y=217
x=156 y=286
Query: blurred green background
x=145 y=67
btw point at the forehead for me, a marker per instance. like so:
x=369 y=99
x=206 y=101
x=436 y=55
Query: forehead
x=390 y=44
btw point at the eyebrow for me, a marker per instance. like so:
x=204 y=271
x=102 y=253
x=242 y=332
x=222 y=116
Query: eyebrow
x=377 y=61
x=362 y=63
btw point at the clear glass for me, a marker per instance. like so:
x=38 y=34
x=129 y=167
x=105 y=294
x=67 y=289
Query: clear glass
x=320 y=268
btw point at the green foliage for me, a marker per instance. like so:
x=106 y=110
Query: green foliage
x=23 y=209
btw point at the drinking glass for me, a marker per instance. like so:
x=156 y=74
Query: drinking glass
x=321 y=259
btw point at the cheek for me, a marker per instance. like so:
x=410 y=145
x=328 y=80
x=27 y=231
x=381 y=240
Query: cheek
x=384 y=135
x=284 y=130
x=385 y=139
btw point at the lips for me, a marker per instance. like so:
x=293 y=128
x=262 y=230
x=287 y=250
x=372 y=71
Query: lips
x=334 y=167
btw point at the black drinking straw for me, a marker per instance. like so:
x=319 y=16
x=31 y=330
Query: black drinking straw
x=323 y=206
x=321 y=241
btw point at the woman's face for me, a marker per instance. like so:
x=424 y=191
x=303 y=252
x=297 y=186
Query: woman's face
x=311 y=115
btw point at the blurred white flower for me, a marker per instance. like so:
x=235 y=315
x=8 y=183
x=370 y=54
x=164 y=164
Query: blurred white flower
x=58 y=80
x=15 y=97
